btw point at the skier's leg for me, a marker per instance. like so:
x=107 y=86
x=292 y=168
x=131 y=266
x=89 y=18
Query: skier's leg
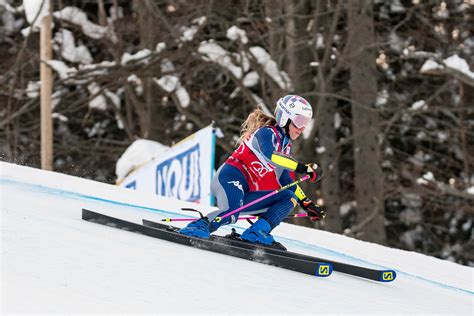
x=277 y=208
x=228 y=186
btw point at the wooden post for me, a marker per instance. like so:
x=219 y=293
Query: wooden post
x=46 y=92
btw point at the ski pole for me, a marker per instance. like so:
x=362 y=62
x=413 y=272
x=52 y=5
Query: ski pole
x=256 y=216
x=240 y=218
x=219 y=218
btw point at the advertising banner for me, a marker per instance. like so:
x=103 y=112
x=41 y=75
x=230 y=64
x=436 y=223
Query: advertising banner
x=184 y=171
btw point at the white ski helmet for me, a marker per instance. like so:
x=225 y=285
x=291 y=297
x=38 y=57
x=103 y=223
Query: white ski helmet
x=295 y=109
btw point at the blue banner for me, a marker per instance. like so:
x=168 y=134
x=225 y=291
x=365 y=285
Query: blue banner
x=180 y=176
x=183 y=171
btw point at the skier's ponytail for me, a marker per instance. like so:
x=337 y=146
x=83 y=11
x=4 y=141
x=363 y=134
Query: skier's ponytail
x=254 y=121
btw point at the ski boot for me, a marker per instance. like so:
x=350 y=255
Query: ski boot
x=259 y=233
x=199 y=228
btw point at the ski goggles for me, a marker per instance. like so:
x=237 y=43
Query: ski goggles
x=300 y=121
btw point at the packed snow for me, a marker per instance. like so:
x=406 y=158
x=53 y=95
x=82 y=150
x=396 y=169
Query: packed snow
x=54 y=262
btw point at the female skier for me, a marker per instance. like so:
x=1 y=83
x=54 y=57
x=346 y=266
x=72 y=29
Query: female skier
x=261 y=164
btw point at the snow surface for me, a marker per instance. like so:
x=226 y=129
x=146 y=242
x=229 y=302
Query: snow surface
x=53 y=262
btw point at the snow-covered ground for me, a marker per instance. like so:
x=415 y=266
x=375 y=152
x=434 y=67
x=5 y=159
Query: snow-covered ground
x=52 y=261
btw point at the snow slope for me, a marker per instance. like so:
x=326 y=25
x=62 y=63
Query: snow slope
x=52 y=261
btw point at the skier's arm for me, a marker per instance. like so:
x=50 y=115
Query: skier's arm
x=266 y=143
x=311 y=169
x=285 y=179
x=315 y=212
x=285 y=161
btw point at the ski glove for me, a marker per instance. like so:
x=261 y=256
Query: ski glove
x=312 y=169
x=314 y=211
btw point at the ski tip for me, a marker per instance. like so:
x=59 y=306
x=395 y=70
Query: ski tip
x=388 y=275
x=323 y=269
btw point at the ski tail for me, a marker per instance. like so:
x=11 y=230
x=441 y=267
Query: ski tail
x=324 y=269
x=387 y=275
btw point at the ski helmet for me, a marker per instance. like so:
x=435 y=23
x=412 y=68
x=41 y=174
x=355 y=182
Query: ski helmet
x=293 y=108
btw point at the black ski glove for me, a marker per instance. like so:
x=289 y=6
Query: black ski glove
x=315 y=212
x=311 y=169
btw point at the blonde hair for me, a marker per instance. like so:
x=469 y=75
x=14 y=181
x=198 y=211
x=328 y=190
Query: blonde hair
x=254 y=121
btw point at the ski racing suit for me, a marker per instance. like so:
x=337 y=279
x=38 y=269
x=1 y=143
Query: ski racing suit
x=261 y=164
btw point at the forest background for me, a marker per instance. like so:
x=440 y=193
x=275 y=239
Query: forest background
x=390 y=82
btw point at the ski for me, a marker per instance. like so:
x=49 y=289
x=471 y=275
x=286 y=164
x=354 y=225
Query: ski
x=311 y=267
x=362 y=272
